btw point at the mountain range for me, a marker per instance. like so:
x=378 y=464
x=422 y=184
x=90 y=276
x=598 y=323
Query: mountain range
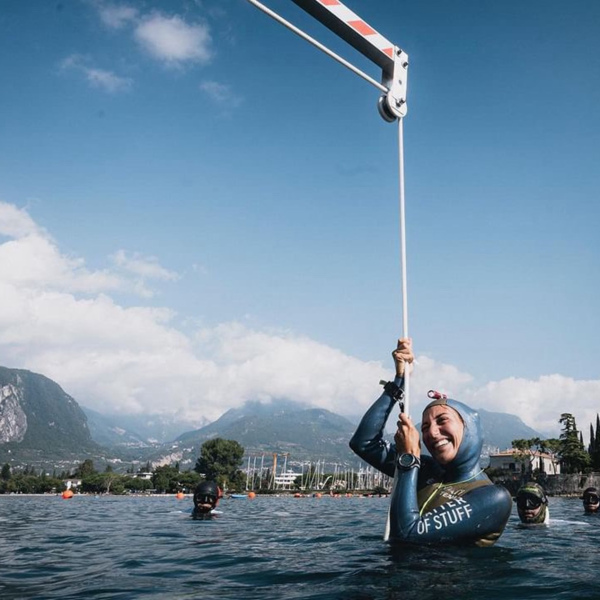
x=38 y=419
x=42 y=426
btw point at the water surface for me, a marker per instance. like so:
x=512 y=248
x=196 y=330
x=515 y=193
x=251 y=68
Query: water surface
x=276 y=547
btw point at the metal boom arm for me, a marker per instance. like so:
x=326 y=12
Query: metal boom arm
x=352 y=29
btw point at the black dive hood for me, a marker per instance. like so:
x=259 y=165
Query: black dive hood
x=206 y=492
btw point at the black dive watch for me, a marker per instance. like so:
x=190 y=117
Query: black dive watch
x=396 y=393
x=408 y=461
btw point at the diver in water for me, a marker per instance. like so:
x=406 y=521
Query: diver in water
x=442 y=498
x=591 y=500
x=532 y=505
x=206 y=497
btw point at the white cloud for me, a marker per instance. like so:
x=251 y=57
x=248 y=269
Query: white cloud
x=220 y=93
x=113 y=357
x=107 y=81
x=267 y=365
x=98 y=78
x=540 y=403
x=57 y=318
x=144 y=266
x=30 y=260
x=117 y=17
x=172 y=40
x=15 y=222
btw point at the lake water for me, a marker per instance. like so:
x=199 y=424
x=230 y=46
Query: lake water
x=276 y=547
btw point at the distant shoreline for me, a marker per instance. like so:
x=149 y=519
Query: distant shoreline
x=191 y=495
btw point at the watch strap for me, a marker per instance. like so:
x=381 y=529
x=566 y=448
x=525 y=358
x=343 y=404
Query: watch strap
x=407 y=461
x=395 y=392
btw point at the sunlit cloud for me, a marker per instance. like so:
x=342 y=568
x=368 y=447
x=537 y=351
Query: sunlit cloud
x=98 y=78
x=220 y=93
x=143 y=269
x=172 y=40
x=107 y=81
x=61 y=319
x=143 y=266
x=541 y=402
x=117 y=16
x=30 y=259
x=15 y=222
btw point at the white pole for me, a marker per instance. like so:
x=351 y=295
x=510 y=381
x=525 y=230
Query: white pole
x=403 y=256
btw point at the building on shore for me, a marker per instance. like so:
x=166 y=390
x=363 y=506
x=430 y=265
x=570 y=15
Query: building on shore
x=285 y=480
x=518 y=461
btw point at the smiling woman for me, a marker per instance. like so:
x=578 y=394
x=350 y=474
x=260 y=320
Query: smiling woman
x=445 y=498
x=442 y=430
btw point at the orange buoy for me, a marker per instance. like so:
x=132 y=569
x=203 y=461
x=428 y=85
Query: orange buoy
x=67 y=494
x=251 y=495
x=180 y=495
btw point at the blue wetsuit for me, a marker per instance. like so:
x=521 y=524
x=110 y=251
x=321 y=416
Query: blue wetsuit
x=456 y=503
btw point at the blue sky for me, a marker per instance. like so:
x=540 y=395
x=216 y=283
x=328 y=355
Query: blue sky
x=198 y=208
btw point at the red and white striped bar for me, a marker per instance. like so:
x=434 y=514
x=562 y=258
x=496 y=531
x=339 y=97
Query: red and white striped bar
x=351 y=28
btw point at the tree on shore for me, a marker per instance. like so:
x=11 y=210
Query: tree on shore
x=594 y=445
x=165 y=479
x=524 y=453
x=85 y=469
x=573 y=455
x=220 y=461
x=551 y=446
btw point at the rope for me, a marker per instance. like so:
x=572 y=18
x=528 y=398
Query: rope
x=403 y=256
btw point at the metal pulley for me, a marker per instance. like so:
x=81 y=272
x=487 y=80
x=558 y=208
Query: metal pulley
x=392 y=104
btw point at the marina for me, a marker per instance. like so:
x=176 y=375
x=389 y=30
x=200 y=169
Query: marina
x=277 y=473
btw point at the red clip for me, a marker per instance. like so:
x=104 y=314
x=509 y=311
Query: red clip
x=436 y=395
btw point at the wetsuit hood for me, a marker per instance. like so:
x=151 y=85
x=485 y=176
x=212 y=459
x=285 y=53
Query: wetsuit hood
x=591 y=491
x=590 y=499
x=205 y=493
x=466 y=462
x=208 y=488
x=532 y=492
x=533 y=489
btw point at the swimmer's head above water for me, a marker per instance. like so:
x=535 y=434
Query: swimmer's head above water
x=206 y=496
x=591 y=500
x=532 y=504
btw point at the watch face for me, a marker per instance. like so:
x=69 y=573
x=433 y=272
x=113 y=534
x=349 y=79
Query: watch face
x=407 y=460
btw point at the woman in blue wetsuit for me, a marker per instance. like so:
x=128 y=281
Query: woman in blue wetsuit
x=442 y=498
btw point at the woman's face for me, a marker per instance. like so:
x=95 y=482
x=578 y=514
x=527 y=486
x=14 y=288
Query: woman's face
x=442 y=430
